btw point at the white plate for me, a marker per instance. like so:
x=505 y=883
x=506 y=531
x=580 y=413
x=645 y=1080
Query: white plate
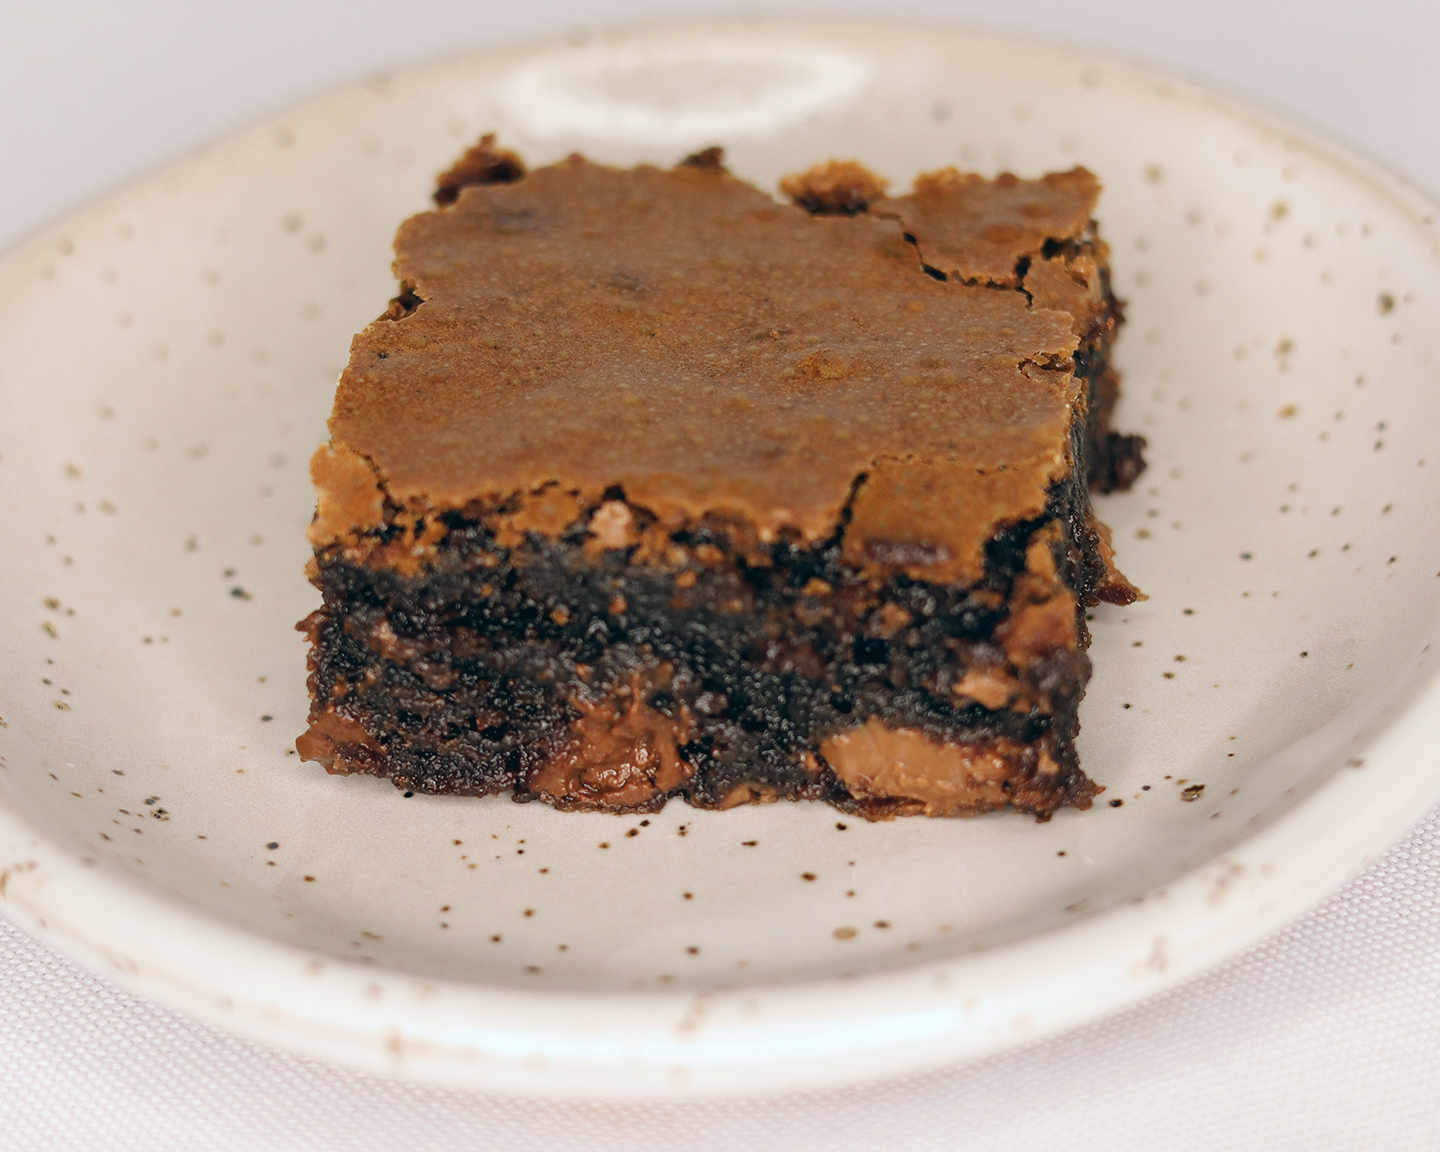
x=169 y=361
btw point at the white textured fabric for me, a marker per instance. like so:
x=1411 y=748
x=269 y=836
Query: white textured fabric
x=1326 y=1037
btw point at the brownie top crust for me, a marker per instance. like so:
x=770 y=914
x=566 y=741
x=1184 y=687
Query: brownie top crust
x=980 y=231
x=678 y=334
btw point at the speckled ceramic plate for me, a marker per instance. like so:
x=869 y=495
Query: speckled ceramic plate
x=1263 y=723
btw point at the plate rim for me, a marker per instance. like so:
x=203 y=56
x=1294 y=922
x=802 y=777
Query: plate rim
x=651 y=1045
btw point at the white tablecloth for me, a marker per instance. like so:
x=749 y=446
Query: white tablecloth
x=1326 y=1037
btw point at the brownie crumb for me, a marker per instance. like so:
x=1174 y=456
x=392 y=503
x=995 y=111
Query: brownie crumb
x=1119 y=463
x=402 y=305
x=835 y=188
x=482 y=164
x=712 y=158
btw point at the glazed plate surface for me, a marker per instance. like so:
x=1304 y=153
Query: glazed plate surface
x=1263 y=724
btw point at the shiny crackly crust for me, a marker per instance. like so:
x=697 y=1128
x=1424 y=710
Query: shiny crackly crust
x=718 y=353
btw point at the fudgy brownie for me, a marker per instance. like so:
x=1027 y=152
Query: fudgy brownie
x=648 y=485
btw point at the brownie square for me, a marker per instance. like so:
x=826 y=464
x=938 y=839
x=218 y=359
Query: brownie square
x=648 y=485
